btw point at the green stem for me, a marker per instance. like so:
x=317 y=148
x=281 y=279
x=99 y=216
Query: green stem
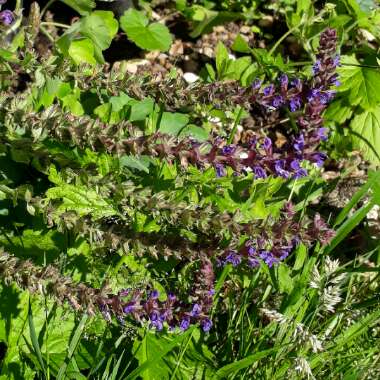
x=276 y=45
x=58 y=24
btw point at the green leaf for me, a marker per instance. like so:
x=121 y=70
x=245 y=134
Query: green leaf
x=361 y=83
x=150 y=353
x=83 y=7
x=194 y=131
x=338 y=111
x=221 y=58
x=242 y=364
x=172 y=123
x=240 y=45
x=147 y=36
x=82 y=51
x=284 y=279
x=366 y=130
x=99 y=27
x=136 y=162
x=82 y=200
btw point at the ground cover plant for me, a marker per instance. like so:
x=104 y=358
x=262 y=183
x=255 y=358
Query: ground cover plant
x=189 y=189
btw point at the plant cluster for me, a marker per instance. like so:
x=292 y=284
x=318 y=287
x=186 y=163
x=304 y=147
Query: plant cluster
x=165 y=215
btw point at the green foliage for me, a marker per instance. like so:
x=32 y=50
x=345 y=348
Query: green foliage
x=79 y=191
x=85 y=40
x=154 y=36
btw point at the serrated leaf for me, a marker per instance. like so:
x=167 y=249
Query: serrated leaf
x=147 y=36
x=366 y=128
x=80 y=199
x=361 y=83
x=338 y=111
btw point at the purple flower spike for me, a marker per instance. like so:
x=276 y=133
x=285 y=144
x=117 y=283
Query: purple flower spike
x=206 y=325
x=185 y=323
x=6 y=17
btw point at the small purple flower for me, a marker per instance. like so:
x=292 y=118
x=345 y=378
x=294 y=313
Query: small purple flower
x=253 y=262
x=284 y=81
x=300 y=173
x=284 y=253
x=321 y=133
x=2 y=2
x=267 y=143
x=259 y=172
x=327 y=96
x=171 y=296
x=337 y=60
x=334 y=80
x=185 y=323
x=295 y=103
x=228 y=150
x=256 y=84
x=317 y=67
x=233 y=258
x=297 y=83
x=154 y=294
x=157 y=324
x=277 y=101
x=206 y=325
x=211 y=292
x=196 y=310
x=314 y=94
x=268 y=258
x=6 y=17
x=220 y=170
x=318 y=158
x=299 y=143
x=295 y=164
x=251 y=251
x=129 y=308
x=269 y=90
x=279 y=167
